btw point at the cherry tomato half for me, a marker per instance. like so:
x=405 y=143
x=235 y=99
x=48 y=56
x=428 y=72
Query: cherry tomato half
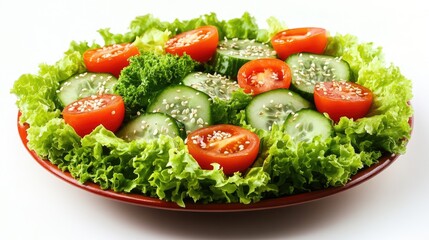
x=232 y=147
x=262 y=75
x=110 y=59
x=86 y=114
x=296 y=40
x=338 y=99
x=200 y=44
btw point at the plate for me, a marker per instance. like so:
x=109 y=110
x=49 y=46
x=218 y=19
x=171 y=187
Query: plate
x=141 y=200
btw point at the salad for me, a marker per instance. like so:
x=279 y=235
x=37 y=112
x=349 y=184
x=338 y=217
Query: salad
x=208 y=110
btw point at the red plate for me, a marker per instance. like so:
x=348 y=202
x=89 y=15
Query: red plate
x=362 y=176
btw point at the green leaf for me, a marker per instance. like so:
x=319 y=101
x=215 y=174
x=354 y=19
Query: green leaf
x=149 y=73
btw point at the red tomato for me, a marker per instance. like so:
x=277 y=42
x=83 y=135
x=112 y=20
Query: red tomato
x=232 y=147
x=200 y=44
x=296 y=40
x=110 y=59
x=262 y=75
x=340 y=99
x=86 y=114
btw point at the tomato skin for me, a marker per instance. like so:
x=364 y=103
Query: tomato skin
x=200 y=44
x=296 y=40
x=340 y=99
x=262 y=75
x=109 y=59
x=233 y=154
x=110 y=114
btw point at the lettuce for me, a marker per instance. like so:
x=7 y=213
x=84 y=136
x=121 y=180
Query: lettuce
x=299 y=167
x=53 y=141
x=225 y=111
x=139 y=26
x=386 y=126
x=37 y=98
x=152 y=41
x=164 y=169
x=150 y=33
x=149 y=73
x=274 y=26
x=161 y=168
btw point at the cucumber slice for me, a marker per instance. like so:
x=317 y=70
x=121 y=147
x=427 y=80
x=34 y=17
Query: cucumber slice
x=150 y=126
x=84 y=85
x=308 y=69
x=215 y=85
x=231 y=54
x=187 y=105
x=306 y=124
x=274 y=107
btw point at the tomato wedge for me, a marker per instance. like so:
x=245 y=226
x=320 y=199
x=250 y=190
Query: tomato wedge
x=110 y=59
x=232 y=147
x=200 y=44
x=338 y=99
x=262 y=75
x=86 y=114
x=296 y=40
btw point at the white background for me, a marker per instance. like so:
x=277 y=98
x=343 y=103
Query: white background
x=36 y=205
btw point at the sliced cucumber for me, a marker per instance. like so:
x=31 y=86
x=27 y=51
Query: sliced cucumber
x=274 y=107
x=215 y=85
x=187 y=105
x=231 y=54
x=150 y=126
x=308 y=69
x=85 y=85
x=306 y=124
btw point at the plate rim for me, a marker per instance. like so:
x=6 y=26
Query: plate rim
x=361 y=176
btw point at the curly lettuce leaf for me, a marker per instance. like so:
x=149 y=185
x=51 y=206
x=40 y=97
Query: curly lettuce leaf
x=244 y=27
x=37 y=98
x=296 y=167
x=149 y=73
x=225 y=111
x=153 y=40
x=274 y=26
x=386 y=127
x=357 y=54
x=149 y=33
x=161 y=168
x=138 y=27
x=53 y=141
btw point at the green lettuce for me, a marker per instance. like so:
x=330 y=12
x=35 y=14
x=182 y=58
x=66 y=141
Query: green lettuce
x=139 y=26
x=387 y=125
x=161 y=168
x=149 y=32
x=152 y=40
x=274 y=26
x=164 y=169
x=225 y=111
x=37 y=98
x=149 y=73
x=300 y=167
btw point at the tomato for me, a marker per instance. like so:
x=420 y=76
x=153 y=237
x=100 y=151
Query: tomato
x=340 y=99
x=262 y=75
x=200 y=44
x=232 y=147
x=86 y=114
x=296 y=40
x=110 y=59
